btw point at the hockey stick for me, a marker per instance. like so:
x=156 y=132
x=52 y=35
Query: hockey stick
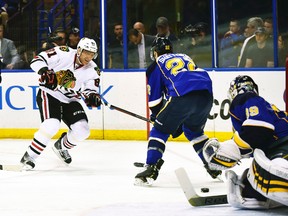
x=127 y=112
x=193 y=197
x=109 y=105
x=11 y=167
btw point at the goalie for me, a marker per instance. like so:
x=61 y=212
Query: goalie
x=261 y=132
x=63 y=70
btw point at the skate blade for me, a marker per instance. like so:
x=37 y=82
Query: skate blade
x=59 y=156
x=26 y=167
x=140 y=182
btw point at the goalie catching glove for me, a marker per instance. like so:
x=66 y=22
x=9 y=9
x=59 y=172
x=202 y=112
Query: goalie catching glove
x=66 y=78
x=93 y=100
x=221 y=155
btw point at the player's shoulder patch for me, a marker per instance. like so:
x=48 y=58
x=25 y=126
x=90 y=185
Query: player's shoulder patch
x=64 y=48
x=98 y=71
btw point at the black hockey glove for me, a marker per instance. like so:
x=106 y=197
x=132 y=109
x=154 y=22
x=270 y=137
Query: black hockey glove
x=178 y=132
x=48 y=78
x=93 y=100
x=153 y=117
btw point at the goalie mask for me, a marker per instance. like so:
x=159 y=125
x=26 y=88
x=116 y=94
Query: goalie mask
x=87 y=44
x=161 y=45
x=240 y=85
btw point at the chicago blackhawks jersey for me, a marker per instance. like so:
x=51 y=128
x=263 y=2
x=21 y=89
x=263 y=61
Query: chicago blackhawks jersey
x=64 y=58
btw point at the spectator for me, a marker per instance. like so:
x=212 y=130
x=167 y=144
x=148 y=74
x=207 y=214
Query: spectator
x=252 y=24
x=12 y=7
x=268 y=25
x=23 y=63
x=261 y=53
x=8 y=52
x=139 y=51
x=282 y=49
x=198 y=44
x=139 y=26
x=73 y=38
x=3 y=12
x=116 y=47
x=163 y=30
x=231 y=45
x=58 y=38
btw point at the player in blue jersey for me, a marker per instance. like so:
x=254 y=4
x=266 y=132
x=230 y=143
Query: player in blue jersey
x=261 y=132
x=180 y=99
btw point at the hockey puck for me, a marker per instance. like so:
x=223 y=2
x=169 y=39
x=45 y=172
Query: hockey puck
x=204 y=190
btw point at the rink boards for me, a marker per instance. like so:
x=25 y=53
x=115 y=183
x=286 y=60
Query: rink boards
x=20 y=117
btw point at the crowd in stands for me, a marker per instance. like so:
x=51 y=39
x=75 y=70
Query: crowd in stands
x=20 y=57
x=241 y=46
x=249 y=46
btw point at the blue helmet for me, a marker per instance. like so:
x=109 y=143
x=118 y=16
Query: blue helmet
x=161 y=45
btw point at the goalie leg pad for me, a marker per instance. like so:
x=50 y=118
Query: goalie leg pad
x=221 y=155
x=236 y=186
x=269 y=178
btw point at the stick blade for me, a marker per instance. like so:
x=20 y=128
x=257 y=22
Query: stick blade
x=139 y=164
x=11 y=167
x=192 y=196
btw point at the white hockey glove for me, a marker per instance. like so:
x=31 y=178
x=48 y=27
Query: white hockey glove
x=221 y=155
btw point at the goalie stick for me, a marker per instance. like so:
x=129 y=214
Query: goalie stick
x=11 y=167
x=194 y=198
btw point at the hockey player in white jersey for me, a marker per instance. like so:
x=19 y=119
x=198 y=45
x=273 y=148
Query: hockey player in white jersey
x=64 y=72
x=261 y=132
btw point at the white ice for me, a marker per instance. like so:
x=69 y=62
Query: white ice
x=99 y=182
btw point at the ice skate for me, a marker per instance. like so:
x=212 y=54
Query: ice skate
x=149 y=174
x=27 y=161
x=63 y=154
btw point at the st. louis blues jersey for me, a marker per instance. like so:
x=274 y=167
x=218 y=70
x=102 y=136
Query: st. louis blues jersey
x=175 y=75
x=260 y=118
x=64 y=58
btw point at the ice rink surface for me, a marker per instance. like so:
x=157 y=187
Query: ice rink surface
x=99 y=182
